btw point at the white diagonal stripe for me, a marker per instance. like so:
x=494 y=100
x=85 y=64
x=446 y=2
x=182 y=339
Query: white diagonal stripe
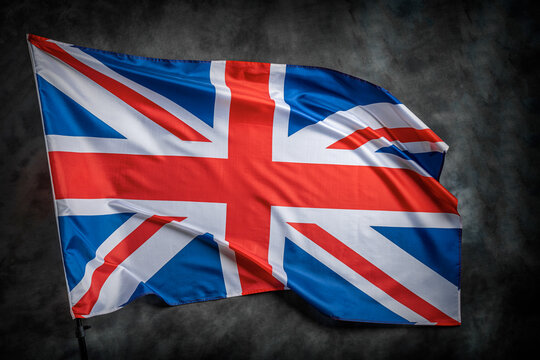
x=309 y=145
x=354 y=278
x=143 y=136
x=354 y=229
x=114 y=239
x=142 y=264
x=169 y=105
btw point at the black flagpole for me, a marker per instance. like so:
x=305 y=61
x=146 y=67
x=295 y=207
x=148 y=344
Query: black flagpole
x=79 y=333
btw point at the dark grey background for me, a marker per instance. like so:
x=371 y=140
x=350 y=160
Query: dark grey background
x=468 y=69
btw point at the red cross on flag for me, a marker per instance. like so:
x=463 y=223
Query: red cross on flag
x=202 y=180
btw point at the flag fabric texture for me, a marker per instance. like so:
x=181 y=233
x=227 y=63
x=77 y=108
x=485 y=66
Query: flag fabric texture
x=201 y=180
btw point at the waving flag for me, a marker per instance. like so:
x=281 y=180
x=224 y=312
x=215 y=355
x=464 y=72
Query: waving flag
x=201 y=180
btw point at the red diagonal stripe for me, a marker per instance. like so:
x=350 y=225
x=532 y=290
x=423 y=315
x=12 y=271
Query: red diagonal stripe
x=137 y=101
x=404 y=135
x=116 y=256
x=372 y=273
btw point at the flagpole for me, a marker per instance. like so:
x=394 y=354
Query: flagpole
x=79 y=333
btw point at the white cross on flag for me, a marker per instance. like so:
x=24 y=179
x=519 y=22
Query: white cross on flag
x=201 y=180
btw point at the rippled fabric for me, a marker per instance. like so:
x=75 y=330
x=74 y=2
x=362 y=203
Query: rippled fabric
x=202 y=180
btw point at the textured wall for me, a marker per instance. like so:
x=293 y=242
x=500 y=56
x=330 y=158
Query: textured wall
x=469 y=70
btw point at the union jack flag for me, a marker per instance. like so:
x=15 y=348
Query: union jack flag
x=201 y=180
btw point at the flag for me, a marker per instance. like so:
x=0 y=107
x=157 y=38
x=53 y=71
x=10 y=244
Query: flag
x=202 y=180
